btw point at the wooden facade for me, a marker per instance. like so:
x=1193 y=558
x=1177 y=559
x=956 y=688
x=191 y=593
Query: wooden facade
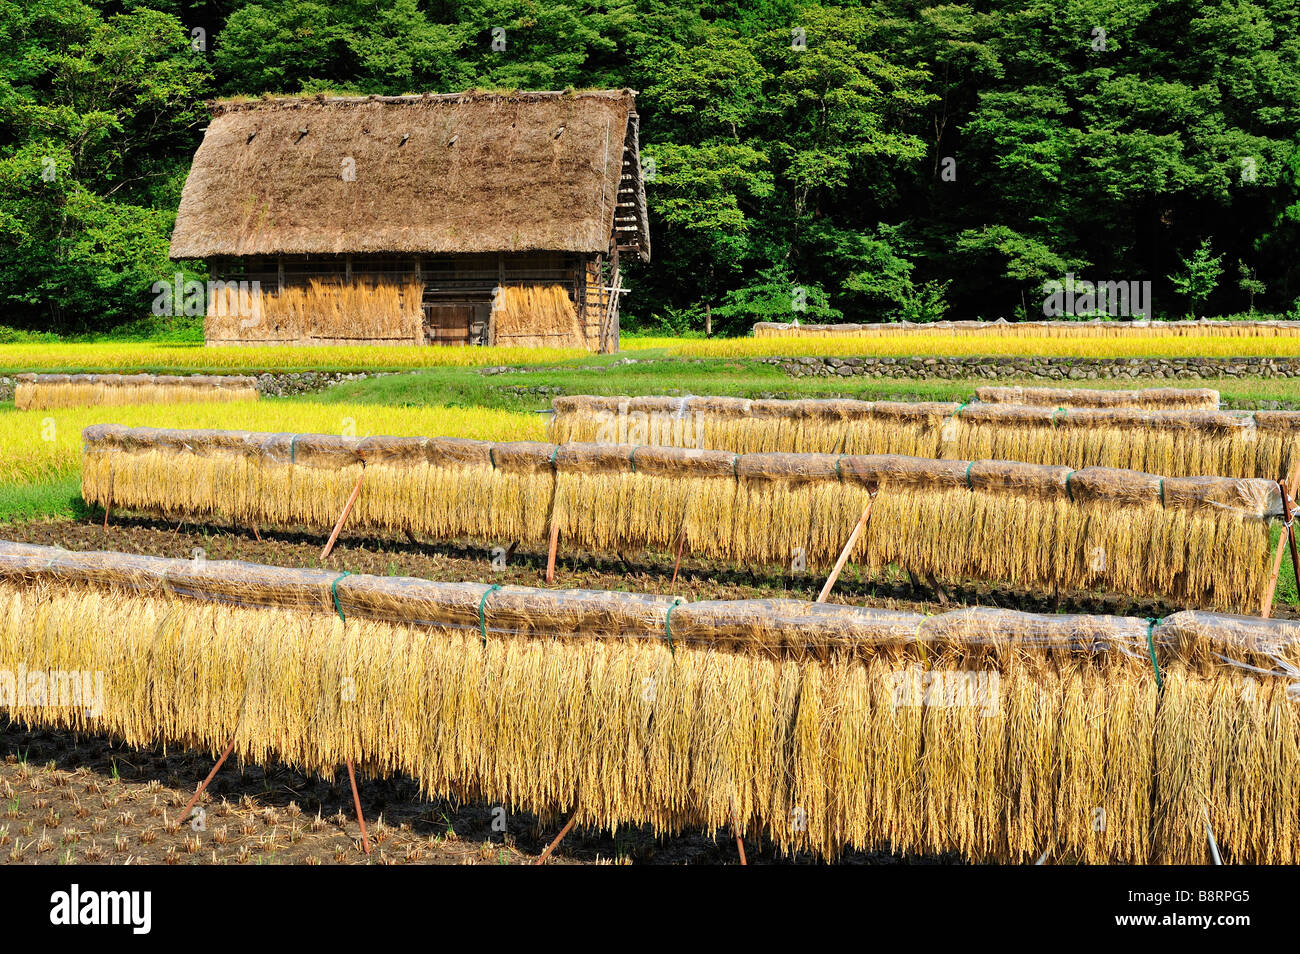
x=455 y=199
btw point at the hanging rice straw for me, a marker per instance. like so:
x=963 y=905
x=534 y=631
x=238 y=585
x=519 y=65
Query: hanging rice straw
x=823 y=728
x=41 y=391
x=1175 y=443
x=1200 y=541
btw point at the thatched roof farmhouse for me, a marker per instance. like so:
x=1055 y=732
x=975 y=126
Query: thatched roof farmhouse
x=469 y=218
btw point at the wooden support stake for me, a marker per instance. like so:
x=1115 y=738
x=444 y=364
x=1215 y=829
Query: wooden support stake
x=740 y=842
x=356 y=802
x=189 y=807
x=411 y=537
x=107 y=504
x=1266 y=609
x=256 y=536
x=347 y=509
x=541 y=860
x=550 y=553
x=681 y=542
x=848 y=547
x=1290 y=534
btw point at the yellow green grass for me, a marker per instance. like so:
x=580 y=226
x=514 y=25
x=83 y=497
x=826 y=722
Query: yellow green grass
x=180 y=357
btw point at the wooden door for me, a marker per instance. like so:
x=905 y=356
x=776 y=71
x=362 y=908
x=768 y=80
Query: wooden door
x=448 y=324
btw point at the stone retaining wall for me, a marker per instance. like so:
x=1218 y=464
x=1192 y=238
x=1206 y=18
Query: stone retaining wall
x=1050 y=369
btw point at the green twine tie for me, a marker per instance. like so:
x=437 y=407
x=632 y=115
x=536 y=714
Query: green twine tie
x=482 y=619
x=1059 y=410
x=334 y=592
x=839 y=475
x=668 y=623
x=735 y=467
x=969 y=485
x=1068 y=492
x=1151 y=646
x=293 y=449
x=631 y=458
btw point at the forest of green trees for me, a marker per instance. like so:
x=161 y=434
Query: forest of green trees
x=894 y=159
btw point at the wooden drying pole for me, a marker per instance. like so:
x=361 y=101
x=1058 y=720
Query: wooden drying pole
x=551 y=550
x=848 y=547
x=356 y=797
x=347 y=509
x=1287 y=536
x=681 y=542
x=735 y=827
x=568 y=827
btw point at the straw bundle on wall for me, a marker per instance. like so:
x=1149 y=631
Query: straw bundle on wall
x=320 y=312
x=40 y=391
x=537 y=316
x=1067 y=329
x=1195 y=399
x=996 y=734
x=1263 y=444
x=1204 y=541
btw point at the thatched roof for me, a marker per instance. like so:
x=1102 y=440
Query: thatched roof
x=465 y=172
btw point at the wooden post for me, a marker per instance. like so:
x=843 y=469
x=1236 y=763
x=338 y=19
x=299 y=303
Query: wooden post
x=550 y=553
x=681 y=542
x=189 y=807
x=558 y=838
x=844 y=554
x=344 y=515
x=356 y=803
x=1286 y=536
x=107 y=504
x=735 y=827
x=1289 y=530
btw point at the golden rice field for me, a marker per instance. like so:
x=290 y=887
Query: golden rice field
x=43 y=445
x=162 y=356
x=165 y=357
x=936 y=345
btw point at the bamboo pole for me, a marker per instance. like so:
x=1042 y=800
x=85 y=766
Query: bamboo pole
x=848 y=547
x=347 y=509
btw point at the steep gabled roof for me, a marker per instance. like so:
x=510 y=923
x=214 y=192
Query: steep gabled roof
x=464 y=172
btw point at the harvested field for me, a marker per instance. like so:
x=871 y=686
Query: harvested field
x=1173 y=443
x=1200 y=540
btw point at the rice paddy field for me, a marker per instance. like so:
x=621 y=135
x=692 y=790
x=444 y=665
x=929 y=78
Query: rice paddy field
x=71 y=795
x=164 y=357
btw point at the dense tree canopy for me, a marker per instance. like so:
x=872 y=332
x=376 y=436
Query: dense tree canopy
x=882 y=159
